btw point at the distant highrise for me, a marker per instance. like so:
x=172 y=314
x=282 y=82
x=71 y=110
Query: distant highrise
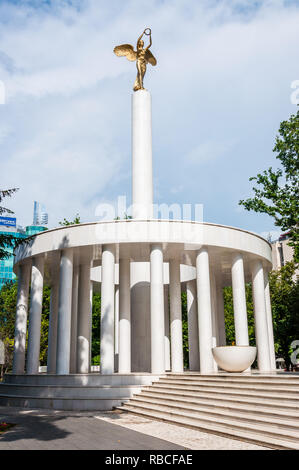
x=40 y=216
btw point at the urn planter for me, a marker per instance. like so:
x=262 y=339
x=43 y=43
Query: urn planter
x=234 y=358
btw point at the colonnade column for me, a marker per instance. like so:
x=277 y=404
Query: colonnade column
x=107 y=309
x=192 y=326
x=220 y=312
x=215 y=339
x=36 y=301
x=83 y=320
x=166 y=328
x=116 y=328
x=204 y=311
x=239 y=301
x=176 y=332
x=21 y=319
x=261 y=327
x=64 y=312
x=52 y=335
x=124 y=358
x=74 y=320
x=269 y=321
x=157 y=310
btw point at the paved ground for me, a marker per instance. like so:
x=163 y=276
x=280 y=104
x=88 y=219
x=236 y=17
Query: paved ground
x=42 y=429
x=37 y=430
x=189 y=438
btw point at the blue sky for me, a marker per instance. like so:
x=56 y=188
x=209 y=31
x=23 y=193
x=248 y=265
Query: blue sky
x=221 y=87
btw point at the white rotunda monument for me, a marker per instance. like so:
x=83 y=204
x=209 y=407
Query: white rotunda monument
x=141 y=266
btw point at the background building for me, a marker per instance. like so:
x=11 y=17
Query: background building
x=8 y=226
x=40 y=216
x=282 y=252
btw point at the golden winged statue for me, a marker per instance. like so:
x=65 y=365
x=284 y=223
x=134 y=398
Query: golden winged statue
x=142 y=55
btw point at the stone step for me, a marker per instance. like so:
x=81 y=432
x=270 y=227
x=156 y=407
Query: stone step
x=281 y=397
x=239 y=380
x=261 y=435
x=229 y=405
x=227 y=386
x=289 y=422
x=68 y=404
x=81 y=380
x=61 y=392
x=214 y=397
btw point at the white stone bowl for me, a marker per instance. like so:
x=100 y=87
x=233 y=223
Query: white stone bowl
x=234 y=358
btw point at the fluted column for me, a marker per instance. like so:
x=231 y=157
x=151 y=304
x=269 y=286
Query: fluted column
x=52 y=335
x=166 y=328
x=36 y=303
x=74 y=321
x=261 y=327
x=124 y=359
x=84 y=320
x=192 y=326
x=204 y=311
x=64 y=312
x=107 y=309
x=21 y=319
x=239 y=300
x=176 y=333
x=157 y=310
x=269 y=321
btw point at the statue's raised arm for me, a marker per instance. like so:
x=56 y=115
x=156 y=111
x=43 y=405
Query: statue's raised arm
x=142 y=55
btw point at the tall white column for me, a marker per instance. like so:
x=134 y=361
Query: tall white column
x=52 y=335
x=107 y=309
x=260 y=318
x=74 y=321
x=239 y=300
x=220 y=312
x=142 y=177
x=192 y=326
x=157 y=310
x=36 y=303
x=64 y=312
x=124 y=359
x=166 y=328
x=269 y=321
x=116 y=329
x=204 y=311
x=84 y=320
x=214 y=315
x=176 y=332
x=21 y=319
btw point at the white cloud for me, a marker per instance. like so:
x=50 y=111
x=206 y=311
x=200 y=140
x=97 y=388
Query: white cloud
x=221 y=87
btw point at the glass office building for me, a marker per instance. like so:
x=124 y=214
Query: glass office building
x=8 y=226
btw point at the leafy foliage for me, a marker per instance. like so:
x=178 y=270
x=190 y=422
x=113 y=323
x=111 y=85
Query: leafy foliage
x=277 y=191
x=72 y=222
x=284 y=290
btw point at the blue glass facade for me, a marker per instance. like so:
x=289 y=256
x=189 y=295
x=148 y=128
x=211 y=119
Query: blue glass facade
x=6 y=265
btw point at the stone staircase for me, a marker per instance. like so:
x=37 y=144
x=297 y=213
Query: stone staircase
x=262 y=409
x=74 y=392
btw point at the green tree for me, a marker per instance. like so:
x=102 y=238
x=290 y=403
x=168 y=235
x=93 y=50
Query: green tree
x=229 y=314
x=284 y=291
x=277 y=191
x=96 y=320
x=8 y=302
x=71 y=222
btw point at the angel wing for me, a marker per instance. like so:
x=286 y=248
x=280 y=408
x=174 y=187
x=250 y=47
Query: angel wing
x=150 y=58
x=125 y=50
